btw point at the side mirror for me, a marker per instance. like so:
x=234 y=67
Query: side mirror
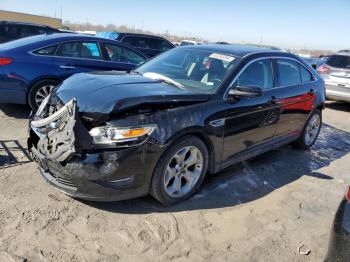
x=245 y=91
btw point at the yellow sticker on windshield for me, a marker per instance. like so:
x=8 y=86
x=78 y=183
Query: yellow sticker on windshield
x=226 y=58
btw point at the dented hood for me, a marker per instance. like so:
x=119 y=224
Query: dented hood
x=111 y=92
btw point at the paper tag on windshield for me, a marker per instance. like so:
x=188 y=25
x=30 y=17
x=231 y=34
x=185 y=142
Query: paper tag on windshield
x=226 y=58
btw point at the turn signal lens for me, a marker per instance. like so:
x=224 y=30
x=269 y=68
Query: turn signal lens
x=348 y=194
x=110 y=134
x=5 y=61
x=323 y=69
x=135 y=132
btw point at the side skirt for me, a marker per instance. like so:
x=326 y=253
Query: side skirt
x=272 y=144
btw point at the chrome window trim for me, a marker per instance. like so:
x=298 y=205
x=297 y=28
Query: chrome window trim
x=99 y=47
x=268 y=57
x=68 y=41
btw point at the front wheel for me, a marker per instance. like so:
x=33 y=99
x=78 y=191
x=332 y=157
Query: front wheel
x=180 y=171
x=310 y=131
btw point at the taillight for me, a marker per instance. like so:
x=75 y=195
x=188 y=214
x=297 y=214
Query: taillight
x=347 y=195
x=323 y=69
x=5 y=61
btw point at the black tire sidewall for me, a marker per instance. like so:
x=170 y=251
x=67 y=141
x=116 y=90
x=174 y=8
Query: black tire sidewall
x=34 y=89
x=301 y=141
x=157 y=187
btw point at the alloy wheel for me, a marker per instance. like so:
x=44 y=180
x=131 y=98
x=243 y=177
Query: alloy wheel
x=312 y=129
x=183 y=171
x=42 y=93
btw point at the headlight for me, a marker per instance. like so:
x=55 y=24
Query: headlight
x=111 y=134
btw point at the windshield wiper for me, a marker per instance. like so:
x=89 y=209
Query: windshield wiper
x=163 y=79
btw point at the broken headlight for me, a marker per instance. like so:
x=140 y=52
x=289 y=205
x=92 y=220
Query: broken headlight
x=111 y=134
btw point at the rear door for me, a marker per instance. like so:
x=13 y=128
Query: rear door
x=79 y=56
x=119 y=57
x=297 y=95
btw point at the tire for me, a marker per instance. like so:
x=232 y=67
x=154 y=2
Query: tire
x=168 y=171
x=305 y=141
x=40 y=90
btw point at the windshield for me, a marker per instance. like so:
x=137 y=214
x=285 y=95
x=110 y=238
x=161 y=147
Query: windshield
x=194 y=69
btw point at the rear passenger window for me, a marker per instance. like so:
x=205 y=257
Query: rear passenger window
x=11 y=31
x=163 y=45
x=27 y=31
x=50 y=50
x=87 y=50
x=257 y=74
x=306 y=76
x=289 y=73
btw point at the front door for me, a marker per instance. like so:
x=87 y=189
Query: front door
x=250 y=122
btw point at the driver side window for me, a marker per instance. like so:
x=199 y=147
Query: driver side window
x=257 y=74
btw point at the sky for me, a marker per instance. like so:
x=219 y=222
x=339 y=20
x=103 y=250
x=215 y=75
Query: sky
x=312 y=24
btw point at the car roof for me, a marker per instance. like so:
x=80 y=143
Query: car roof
x=39 y=41
x=236 y=50
x=137 y=34
x=24 y=23
x=47 y=39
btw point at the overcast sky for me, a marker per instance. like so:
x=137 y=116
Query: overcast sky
x=293 y=24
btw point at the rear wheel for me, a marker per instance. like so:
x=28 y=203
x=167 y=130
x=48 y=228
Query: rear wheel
x=180 y=171
x=310 y=131
x=40 y=91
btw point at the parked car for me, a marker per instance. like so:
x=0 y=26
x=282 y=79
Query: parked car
x=339 y=242
x=189 y=111
x=188 y=42
x=149 y=45
x=31 y=67
x=336 y=74
x=10 y=30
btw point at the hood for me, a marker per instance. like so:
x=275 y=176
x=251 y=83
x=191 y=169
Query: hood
x=112 y=92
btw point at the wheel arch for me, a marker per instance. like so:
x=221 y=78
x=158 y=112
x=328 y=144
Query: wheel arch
x=37 y=80
x=200 y=133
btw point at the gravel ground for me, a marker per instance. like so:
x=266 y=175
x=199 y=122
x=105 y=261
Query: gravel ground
x=259 y=210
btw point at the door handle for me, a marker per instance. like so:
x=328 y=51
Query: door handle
x=274 y=101
x=67 y=66
x=312 y=92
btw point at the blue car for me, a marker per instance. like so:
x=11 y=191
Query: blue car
x=31 y=67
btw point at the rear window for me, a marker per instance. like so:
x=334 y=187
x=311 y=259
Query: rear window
x=288 y=72
x=147 y=42
x=50 y=50
x=339 y=61
x=306 y=76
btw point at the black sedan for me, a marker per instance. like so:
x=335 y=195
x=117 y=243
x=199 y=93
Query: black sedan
x=339 y=243
x=160 y=129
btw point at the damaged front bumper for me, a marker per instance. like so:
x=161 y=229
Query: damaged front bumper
x=67 y=159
